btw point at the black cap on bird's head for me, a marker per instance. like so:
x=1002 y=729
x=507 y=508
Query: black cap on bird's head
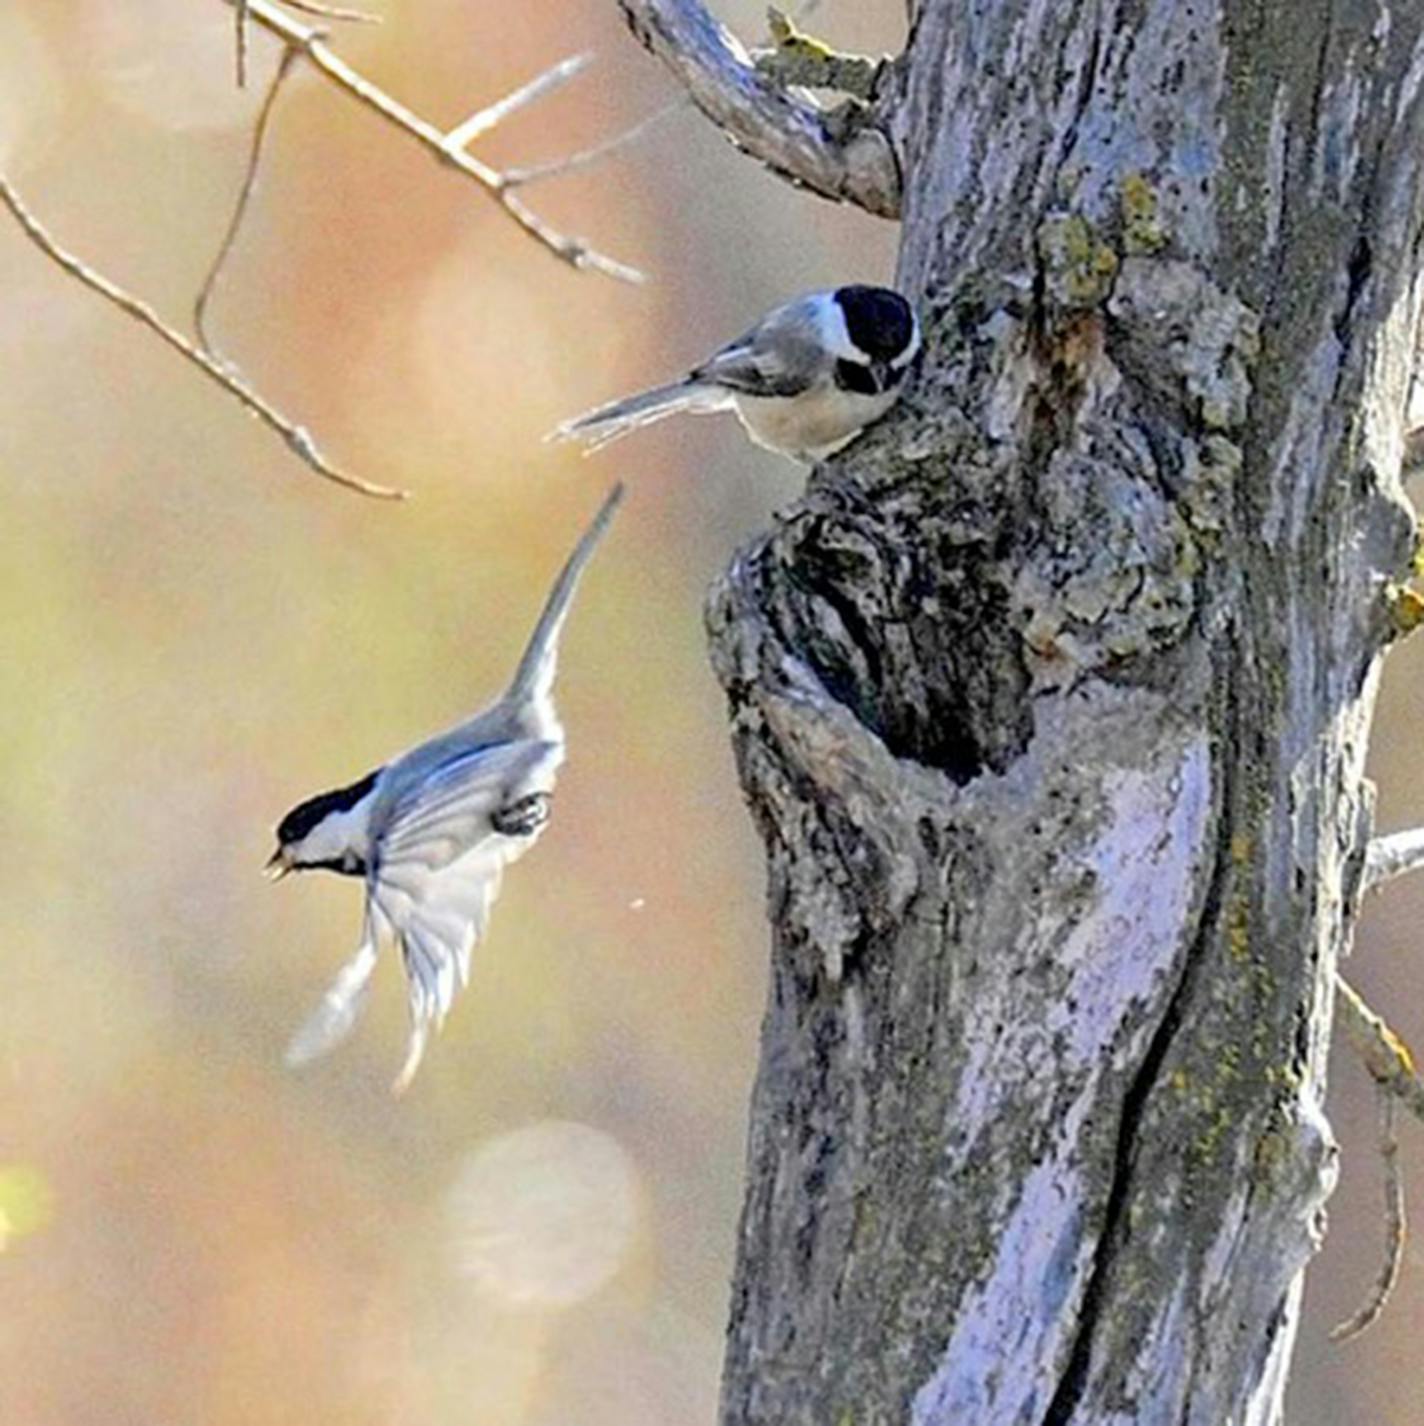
x=880 y=323
x=298 y=824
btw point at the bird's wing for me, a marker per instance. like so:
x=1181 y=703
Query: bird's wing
x=439 y=870
x=437 y=918
x=778 y=357
x=752 y=371
x=445 y=813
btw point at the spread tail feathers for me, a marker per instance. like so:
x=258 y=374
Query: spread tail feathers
x=607 y=423
x=415 y=1052
x=340 y=1007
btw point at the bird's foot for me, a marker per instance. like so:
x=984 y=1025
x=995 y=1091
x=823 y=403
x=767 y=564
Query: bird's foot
x=524 y=817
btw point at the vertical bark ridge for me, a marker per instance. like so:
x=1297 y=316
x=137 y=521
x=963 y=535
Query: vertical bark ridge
x=1096 y=1293
x=1050 y=699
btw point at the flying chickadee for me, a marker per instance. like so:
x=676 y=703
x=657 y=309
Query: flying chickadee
x=805 y=381
x=432 y=831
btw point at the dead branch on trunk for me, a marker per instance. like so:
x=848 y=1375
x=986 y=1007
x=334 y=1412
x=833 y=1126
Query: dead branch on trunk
x=843 y=154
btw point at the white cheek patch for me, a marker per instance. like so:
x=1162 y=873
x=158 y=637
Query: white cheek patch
x=911 y=351
x=338 y=833
x=834 y=336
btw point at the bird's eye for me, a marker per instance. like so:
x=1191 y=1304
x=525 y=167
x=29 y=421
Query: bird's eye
x=852 y=376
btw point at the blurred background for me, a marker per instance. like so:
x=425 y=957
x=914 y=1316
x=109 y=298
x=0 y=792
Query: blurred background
x=196 y=633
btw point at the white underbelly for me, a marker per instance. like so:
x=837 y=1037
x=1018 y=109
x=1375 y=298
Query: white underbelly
x=815 y=424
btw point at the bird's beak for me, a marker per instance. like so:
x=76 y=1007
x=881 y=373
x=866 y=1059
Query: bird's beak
x=884 y=374
x=278 y=865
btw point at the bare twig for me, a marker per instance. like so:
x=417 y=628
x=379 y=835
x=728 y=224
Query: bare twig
x=1392 y=856
x=242 y=10
x=1394 y=1220
x=249 y=184
x=786 y=132
x=297 y=438
x=326 y=62
x=332 y=12
x=240 y=19
x=483 y=120
x=571 y=163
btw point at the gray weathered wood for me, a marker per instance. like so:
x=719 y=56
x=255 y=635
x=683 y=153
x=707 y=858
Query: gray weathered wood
x=843 y=156
x=1050 y=700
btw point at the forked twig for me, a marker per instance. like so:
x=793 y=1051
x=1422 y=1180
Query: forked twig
x=249 y=184
x=574 y=251
x=243 y=9
x=305 y=41
x=297 y=438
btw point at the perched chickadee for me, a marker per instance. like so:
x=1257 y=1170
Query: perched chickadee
x=432 y=831
x=805 y=381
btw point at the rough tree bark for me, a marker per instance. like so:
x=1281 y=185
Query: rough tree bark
x=1050 y=700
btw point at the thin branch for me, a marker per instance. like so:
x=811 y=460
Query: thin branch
x=249 y=184
x=242 y=10
x=326 y=62
x=332 y=12
x=1382 y=1052
x=789 y=134
x=240 y=19
x=1391 y=1066
x=483 y=120
x=571 y=163
x=296 y=437
x=1392 y=856
x=1395 y=1229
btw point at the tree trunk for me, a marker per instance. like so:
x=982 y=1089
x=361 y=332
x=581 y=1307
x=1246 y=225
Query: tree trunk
x=1050 y=700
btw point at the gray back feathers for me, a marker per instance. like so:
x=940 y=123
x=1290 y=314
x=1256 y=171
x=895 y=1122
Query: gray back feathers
x=785 y=354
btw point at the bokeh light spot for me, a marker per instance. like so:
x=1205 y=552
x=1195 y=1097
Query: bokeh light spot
x=544 y=1216
x=26 y=1202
